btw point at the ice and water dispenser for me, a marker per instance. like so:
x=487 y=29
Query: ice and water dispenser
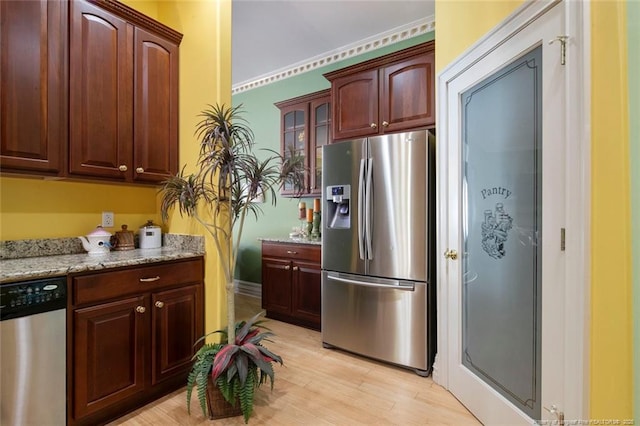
x=338 y=200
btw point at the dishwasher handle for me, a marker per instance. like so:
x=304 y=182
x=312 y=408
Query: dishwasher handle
x=398 y=286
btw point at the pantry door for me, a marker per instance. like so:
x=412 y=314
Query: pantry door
x=503 y=254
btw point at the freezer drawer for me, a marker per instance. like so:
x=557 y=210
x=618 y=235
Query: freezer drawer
x=378 y=318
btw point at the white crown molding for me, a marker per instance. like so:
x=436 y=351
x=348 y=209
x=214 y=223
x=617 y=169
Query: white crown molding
x=395 y=35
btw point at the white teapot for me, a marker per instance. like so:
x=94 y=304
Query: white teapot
x=97 y=242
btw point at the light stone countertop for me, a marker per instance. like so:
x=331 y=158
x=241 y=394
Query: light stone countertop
x=292 y=241
x=23 y=260
x=50 y=266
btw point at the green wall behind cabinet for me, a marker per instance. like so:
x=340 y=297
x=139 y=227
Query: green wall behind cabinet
x=264 y=119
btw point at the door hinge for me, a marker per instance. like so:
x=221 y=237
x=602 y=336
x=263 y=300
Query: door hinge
x=563 y=47
x=559 y=415
x=562 y=239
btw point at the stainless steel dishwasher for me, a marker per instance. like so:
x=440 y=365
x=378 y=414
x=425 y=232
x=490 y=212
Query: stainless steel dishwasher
x=33 y=352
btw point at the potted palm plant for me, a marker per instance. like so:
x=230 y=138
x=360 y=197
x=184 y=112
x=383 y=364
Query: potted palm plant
x=219 y=195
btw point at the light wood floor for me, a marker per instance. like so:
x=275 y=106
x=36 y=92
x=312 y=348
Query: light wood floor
x=319 y=386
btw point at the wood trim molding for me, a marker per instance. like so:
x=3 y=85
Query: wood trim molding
x=248 y=288
x=303 y=98
x=381 y=61
x=413 y=29
x=134 y=17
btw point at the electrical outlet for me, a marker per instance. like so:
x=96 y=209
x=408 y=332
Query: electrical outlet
x=107 y=220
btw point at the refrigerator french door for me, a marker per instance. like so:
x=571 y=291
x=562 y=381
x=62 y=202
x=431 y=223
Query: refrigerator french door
x=378 y=282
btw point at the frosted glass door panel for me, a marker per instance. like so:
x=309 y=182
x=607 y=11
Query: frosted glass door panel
x=501 y=263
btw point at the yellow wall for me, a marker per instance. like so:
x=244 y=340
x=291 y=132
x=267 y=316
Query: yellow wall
x=205 y=78
x=611 y=294
x=459 y=25
x=36 y=208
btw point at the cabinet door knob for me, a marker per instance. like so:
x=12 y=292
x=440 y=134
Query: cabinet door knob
x=141 y=309
x=295 y=268
x=287 y=267
x=159 y=304
x=139 y=170
x=373 y=125
x=385 y=123
x=123 y=168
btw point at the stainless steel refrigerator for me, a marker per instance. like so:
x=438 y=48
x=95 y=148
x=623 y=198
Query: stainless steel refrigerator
x=378 y=276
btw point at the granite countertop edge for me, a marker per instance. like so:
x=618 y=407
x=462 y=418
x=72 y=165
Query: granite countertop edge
x=22 y=269
x=291 y=240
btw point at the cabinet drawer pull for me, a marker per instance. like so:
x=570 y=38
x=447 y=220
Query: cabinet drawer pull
x=139 y=170
x=140 y=309
x=295 y=268
x=159 y=304
x=291 y=252
x=148 y=280
x=122 y=168
x=373 y=125
x=287 y=267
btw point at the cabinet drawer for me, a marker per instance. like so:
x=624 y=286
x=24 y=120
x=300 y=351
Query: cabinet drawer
x=118 y=283
x=291 y=251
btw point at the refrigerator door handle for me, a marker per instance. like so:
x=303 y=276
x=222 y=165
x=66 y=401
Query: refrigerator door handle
x=399 y=286
x=368 y=209
x=359 y=219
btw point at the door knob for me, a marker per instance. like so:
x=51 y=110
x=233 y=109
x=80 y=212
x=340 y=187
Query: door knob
x=139 y=170
x=287 y=267
x=373 y=125
x=385 y=124
x=122 y=168
x=451 y=254
x=295 y=268
x=159 y=304
x=140 y=309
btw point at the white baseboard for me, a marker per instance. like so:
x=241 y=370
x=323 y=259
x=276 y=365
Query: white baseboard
x=248 y=288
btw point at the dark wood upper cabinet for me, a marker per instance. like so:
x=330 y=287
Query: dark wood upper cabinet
x=89 y=91
x=124 y=100
x=101 y=93
x=155 y=154
x=34 y=85
x=391 y=93
x=305 y=126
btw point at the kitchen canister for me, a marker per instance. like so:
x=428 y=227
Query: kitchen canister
x=123 y=239
x=150 y=236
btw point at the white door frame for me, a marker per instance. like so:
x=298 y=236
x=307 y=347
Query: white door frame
x=578 y=184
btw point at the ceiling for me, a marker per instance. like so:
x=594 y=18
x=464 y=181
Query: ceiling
x=271 y=35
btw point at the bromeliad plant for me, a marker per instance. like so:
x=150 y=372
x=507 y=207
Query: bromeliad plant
x=219 y=195
x=237 y=369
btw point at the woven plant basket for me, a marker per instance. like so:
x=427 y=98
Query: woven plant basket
x=220 y=408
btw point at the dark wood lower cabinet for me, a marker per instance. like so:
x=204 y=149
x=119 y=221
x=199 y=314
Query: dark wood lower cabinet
x=306 y=291
x=291 y=277
x=108 y=354
x=131 y=337
x=175 y=330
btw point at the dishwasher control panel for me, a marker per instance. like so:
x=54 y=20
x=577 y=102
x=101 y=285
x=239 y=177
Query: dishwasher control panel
x=32 y=297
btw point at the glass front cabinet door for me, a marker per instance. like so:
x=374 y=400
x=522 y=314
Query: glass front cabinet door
x=305 y=124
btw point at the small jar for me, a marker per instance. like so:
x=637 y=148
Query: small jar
x=124 y=239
